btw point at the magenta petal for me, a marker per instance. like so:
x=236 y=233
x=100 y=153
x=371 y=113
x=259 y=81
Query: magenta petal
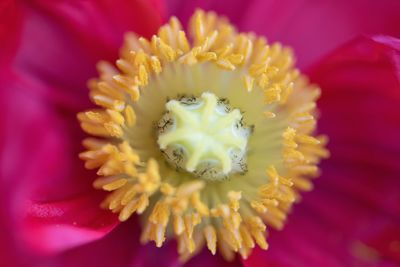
x=50 y=203
x=55 y=226
x=312 y=28
x=205 y=258
x=361 y=91
x=120 y=248
x=363 y=80
x=312 y=240
x=61 y=41
x=10 y=22
x=352 y=218
x=98 y=26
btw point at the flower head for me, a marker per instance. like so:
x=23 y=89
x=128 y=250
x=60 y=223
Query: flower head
x=209 y=135
x=49 y=206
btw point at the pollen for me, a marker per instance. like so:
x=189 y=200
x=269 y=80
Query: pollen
x=209 y=135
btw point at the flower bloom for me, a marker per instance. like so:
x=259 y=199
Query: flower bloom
x=50 y=205
x=232 y=116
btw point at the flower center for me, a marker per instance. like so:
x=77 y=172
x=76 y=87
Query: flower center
x=203 y=136
x=169 y=175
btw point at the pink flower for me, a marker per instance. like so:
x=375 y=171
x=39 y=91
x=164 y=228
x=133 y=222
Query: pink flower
x=50 y=213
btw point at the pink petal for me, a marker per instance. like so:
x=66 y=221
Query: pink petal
x=205 y=258
x=352 y=216
x=62 y=41
x=10 y=22
x=50 y=203
x=54 y=226
x=120 y=248
x=312 y=28
x=363 y=76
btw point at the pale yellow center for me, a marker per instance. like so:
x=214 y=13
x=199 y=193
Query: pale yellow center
x=203 y=136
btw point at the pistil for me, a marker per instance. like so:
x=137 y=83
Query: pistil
x=204 y=136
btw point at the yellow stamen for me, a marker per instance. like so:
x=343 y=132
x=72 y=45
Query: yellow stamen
x=209 y=135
